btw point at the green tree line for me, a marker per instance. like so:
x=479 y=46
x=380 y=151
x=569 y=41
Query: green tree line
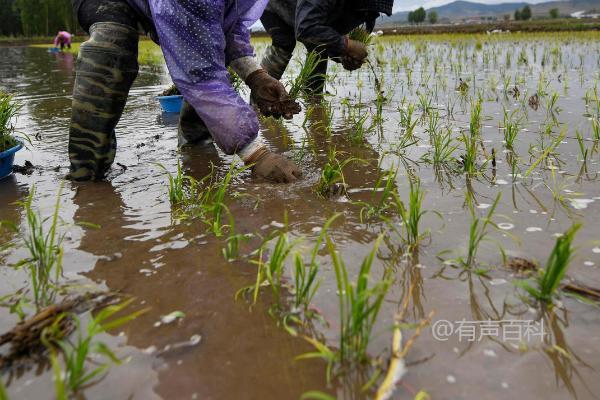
x=35 y=17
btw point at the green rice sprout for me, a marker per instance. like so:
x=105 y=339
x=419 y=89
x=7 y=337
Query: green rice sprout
x=478 y=232
x=582 y=150
x=203 y=199
x=549 y=279
x=546 y=152
x=176 y=184
x=305 y=276
x=511 y=127
x=469 y=158
x=442 y=147
x=406 y=119
x=79 y=370
x=44 y=243
x=411 y=216
x=332 y=173
x=270 y=272
x=231 y=250
x=475 y=119
x=306 y=75
x=357 y=122
x=359 y=304
x=596 y=128
x=360 y=34
x=384 y=191
x=8 y=111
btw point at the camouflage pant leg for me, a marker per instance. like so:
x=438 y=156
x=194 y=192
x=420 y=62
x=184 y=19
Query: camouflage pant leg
x=283 y=42
x=276 y=60
x=106 y=68
x=192 y=129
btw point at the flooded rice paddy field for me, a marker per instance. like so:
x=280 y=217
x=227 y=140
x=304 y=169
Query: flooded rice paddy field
x=533 y=149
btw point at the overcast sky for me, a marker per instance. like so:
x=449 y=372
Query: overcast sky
x=407 y=5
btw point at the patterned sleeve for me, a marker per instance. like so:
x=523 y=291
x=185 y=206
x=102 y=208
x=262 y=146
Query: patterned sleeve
x=193 y=41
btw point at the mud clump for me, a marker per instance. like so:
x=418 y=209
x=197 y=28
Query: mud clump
x=25 y=341
x=334 y=190
x=534 y=102
x=26 y=169
x=522 y=266
x=170 y=91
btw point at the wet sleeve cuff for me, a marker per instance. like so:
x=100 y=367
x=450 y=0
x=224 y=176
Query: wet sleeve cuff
x=244 y=66
x=251 y=148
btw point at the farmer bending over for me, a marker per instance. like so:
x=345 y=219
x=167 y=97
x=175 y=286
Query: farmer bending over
x=199 y=39
x=62 y=39
x=320 y=25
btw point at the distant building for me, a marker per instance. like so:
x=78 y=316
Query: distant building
x=584 y=14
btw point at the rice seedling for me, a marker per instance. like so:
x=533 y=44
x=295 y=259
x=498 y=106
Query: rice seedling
x=411 y=216
x=360 y=34
x=215 y=203
x=306 y=74
x=551 y=108
x=549 y=279
x=357 y=121
x=44 y=244
x=8 y=111
x=270 y=272
x=546 y=152
x=406 y=120
x=469 y=158
x=478 y=232
x=176 y=184
x=203 y=199
x=231 y=250
x=511 y=127
x=425 y=103
x=383 y=190
x=79 y=369
x=596 y=128
x=332 y=180
x=475 y=118
x=442 y=147
x=582 y=150
x=359 y=305
x=305 y=275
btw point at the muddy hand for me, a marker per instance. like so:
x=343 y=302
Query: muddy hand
x=270 y=95
x=354 y=54
x=273 y=167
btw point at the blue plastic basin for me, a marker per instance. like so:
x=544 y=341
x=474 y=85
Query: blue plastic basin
x=53 y=49
x=7 y=159
x=171 y=104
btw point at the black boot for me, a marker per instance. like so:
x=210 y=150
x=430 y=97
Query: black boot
x=106 y=68
x=192 y=129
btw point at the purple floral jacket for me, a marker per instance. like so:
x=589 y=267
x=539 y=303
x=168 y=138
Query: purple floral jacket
x=199 y=38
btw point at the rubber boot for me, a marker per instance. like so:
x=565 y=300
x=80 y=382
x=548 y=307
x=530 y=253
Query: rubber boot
x=192 y=129
x=106 y=68
x=275 y=61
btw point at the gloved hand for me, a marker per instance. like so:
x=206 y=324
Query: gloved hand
x=353 y=55
x=273 y=166
x=270 y=95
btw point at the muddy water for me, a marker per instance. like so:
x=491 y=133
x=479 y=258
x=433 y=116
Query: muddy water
x=172 y=266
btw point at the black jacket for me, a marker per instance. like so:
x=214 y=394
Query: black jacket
x=324 y=22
